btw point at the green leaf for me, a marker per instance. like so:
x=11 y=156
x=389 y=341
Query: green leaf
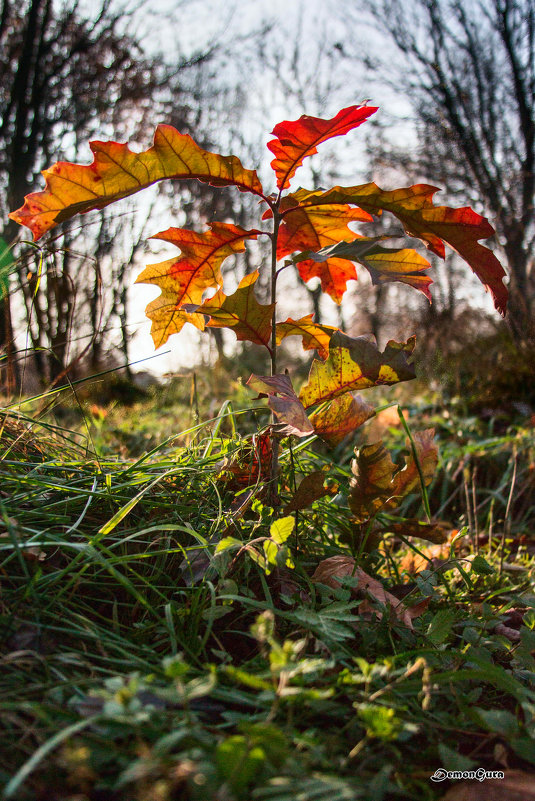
x=440 y=626
x=281 y=529
x=452 y=760
x=6 y=267
x=226 y=543
x=481 y=566
x=497 y=720
x=238 y=763
x=379 y=721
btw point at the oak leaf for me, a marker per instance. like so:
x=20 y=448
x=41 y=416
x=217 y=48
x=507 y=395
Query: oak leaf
x=312 y=228
x=184 y=280
x=437 y=532
x=340 y=417
x=284 y=403
x=316 y=226
x=313 y=335
x=117 y=172
x=378 y=483
x=297 y=139
x=333 y=274
x=241 y=312
x=419 y=465
x=311 y=489
x=251 y=465
x=356 y=363
x=460 y=228
x=383 y=264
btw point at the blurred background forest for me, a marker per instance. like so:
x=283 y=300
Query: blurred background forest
x=455 y=83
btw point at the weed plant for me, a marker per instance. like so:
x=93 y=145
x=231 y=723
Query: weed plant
x=139 y=663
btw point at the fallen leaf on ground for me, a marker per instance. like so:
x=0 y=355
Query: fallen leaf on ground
x=335 y=567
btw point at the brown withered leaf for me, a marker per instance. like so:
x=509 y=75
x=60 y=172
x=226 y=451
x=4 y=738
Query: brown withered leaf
x=379 y=484
x=335 y=567
x=408 y=479
x=342 y=416
x=436 y=554
x=436 y=532
x=309 y=490
x=287 y=408
x=265 y=385
x=515 y=786
x=372 y=484
x=292 y=416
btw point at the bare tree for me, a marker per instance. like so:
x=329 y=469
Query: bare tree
x=468 y=66
x=68 y=74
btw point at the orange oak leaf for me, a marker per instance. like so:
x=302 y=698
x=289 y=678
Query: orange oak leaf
x=333 y=274
x=356 y=363
x=313 y=336
x=378 y=483
x=117 y=172
x=241 y=312
x=426 y=451
x=460 y=228
x=183 y=280
x=313 y=227
x=340 y=417
x=284 y=403
x=383 y=264
x=297 y=139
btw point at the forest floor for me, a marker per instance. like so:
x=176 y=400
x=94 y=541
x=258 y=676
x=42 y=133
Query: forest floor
x=168 y=635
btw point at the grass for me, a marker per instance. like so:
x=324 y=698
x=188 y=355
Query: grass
x=144 y=661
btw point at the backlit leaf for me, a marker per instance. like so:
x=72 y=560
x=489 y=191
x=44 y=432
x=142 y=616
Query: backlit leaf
x=280 y=529
x=340 y=417
x=117 y=172
x=372 y=484
x=333 y=274
x=408 y=479
x=378 y=483
x=241 y=312
x=356 y=363
x=313 y=336
x=184 y=280
x=312 y=227
x=384 y=264
x=297 y=139
x=284 y=403
x=460 y=228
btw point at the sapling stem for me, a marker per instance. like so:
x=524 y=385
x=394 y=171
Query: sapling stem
x=274 y=490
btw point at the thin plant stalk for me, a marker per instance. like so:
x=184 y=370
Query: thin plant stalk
x=274 y=493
